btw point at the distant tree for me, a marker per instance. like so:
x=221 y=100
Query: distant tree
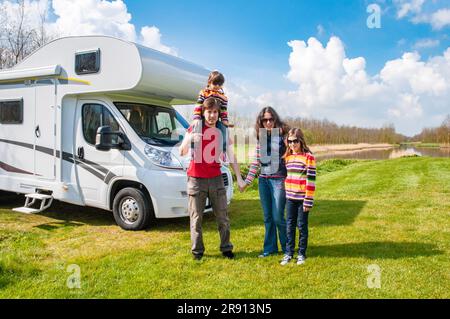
x=440 y=134
x=18 y=35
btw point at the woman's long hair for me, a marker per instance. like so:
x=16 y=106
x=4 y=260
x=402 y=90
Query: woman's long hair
x=298 y=134
x=278 y=123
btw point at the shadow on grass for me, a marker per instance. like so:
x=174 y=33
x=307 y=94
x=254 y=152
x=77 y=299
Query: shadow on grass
x=335 y=212
x=243 y=214
x=370 y=250
x=57 y=225
x=375 y=250
x=68 y=214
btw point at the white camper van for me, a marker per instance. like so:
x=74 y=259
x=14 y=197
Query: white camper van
x=90 y=121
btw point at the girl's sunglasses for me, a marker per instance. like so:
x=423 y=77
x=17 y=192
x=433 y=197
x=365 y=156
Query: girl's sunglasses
x=293 y=141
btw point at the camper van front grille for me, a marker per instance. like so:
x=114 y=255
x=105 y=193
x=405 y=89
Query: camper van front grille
x=225 y=179
x=225 y=182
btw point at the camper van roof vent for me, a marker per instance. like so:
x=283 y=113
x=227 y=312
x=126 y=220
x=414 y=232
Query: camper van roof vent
x=87 y=62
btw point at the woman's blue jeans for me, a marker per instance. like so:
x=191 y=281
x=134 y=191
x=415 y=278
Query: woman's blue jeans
x=273 y=201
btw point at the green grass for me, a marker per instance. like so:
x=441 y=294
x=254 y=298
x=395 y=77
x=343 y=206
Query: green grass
x=393 y=213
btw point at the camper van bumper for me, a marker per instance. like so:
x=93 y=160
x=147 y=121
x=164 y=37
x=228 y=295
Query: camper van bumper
x=168 y=190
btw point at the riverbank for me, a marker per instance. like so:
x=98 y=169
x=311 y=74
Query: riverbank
x=425 y=145
x=359 y=151
x=327 y=148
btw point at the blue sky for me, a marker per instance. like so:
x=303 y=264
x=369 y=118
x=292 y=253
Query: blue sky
x=248 y=39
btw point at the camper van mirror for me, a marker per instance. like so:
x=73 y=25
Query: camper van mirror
x=103 y=139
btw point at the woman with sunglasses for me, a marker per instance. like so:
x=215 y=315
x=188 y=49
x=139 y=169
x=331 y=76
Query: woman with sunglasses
x=268 y=161
x=300 y=188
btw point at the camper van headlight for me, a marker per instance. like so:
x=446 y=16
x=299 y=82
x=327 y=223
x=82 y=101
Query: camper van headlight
x=162 y=158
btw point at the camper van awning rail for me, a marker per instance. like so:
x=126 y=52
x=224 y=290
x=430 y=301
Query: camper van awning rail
x=51 y=70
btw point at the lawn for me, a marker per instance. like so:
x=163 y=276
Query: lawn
x=391 y=215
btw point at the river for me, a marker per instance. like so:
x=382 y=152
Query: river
x=380 y=154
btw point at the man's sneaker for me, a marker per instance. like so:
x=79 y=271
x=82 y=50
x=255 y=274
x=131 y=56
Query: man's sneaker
x=197 y=256
x=228 y=254
x=301 y=260
x=285 y=260
x=263 y=255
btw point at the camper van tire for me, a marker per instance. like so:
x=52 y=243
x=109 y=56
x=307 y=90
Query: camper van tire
x=132 y=209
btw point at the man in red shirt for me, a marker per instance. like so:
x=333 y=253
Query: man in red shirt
x=205 y=179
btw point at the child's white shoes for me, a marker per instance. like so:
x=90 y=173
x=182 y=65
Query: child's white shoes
x=301 y=260
x=286 y=259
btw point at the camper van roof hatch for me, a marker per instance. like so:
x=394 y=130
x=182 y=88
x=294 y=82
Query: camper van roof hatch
x=87 y=62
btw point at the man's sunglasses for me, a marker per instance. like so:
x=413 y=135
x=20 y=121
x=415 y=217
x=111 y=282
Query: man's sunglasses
x=293 y=141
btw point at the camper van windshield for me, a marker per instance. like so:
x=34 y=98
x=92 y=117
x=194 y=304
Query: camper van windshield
x=154 y=124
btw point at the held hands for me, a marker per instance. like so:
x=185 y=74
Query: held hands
x=242 y=185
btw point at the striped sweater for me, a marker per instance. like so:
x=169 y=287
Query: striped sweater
x=206 y=93
x=301 y=177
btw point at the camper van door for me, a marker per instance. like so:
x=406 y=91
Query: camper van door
x=45 y=130
x=95 y=168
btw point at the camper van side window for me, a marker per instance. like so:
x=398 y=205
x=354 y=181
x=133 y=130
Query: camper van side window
x=87 y=62
x=94 y=116
x=11 y=112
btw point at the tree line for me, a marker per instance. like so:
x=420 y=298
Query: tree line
x=440 y=134
x=327 y=132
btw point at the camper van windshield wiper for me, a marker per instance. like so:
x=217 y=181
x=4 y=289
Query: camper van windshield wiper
x=155 y=140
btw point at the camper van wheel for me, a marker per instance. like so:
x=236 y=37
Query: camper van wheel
x=131 y=209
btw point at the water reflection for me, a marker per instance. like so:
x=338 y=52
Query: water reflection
x=379 y=154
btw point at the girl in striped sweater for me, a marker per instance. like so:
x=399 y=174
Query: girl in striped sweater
x=300 y=187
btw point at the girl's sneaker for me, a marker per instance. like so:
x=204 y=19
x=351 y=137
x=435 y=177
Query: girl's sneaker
x=264 y=255
x=301 y=260
x=285 y=260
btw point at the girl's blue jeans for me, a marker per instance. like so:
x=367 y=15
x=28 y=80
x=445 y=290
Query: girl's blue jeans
x=296 y=218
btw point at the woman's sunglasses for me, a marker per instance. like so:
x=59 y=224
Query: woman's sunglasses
x=293 y=141
x=267 y=120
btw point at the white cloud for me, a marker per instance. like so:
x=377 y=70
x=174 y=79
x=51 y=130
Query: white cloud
x=90 y=17
x=409 y=74
x=426 y=43
x=32 y=11
x=440 y=19
x=405 y=7
x=320 y=30
x=414 y=9
x=408 y=106
x=151 y=37
x=87 y=17
x=333 y=86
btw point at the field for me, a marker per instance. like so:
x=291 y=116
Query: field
x=380 y=229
